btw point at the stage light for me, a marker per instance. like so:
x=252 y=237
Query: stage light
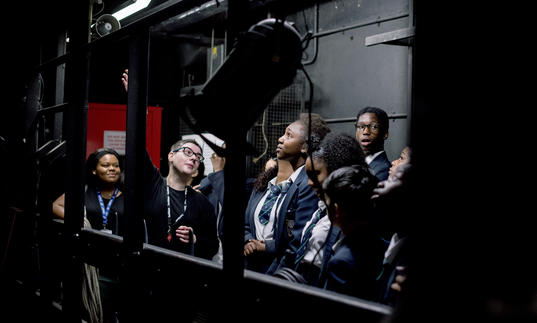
x=263 y=61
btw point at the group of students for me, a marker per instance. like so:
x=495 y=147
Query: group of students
x=331 y=215
x=326 y=214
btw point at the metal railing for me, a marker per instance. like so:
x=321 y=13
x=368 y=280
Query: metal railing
x=228 y=291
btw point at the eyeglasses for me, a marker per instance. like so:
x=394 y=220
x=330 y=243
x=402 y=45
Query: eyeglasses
x=372 y=127
x=189 y=152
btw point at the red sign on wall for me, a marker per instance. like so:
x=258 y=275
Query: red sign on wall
x=107 y=124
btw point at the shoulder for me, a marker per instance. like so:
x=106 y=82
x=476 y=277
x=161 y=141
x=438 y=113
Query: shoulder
x=302 y=176
x=90 y=191
x=343 y=255
x=382 y=158
x=198 y=197
x=342 y=263
x=301 y=181
x=205 y=182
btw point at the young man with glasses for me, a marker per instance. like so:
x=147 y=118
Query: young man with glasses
x=178 y=217
x=371 y=132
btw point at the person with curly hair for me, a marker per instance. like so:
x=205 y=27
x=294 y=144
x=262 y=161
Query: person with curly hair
x=104 y=197
x=276 y=213
x=315 y=248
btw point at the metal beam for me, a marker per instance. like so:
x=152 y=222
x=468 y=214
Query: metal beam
x=401 y=37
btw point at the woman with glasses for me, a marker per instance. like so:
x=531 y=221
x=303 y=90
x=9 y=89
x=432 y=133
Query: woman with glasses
x=177 y=216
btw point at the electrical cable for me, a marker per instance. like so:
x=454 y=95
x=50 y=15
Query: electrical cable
x=256 y=159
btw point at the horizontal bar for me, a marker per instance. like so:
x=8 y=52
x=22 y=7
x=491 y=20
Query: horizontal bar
x=390 y=37
x=319 y=293
x=340 y=120
x=149 y=17
x=186 y=19
x=359 y=24
x=180 y=257
x=343 y=120
x=99 y=247
x=53 y=109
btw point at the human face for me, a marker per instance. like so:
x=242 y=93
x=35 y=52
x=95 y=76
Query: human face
x=371 y=137
x=182 y=163
x=292 y=143
x=403 y=159
x=107 y=169
x=320 y=172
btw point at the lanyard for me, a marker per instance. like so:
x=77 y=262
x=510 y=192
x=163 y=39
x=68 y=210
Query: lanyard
x=106 y=211
x=169 y=208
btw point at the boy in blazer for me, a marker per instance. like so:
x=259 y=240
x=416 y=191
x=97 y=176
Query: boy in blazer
x=371 y=132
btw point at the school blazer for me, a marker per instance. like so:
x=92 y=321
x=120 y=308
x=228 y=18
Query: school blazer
x=380 y=166
x=297 y=207
x=212 y=187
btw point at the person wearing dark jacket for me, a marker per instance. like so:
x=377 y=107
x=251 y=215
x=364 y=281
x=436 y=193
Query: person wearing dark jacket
x=371 y=132
x=358 y=254
x=277 y=213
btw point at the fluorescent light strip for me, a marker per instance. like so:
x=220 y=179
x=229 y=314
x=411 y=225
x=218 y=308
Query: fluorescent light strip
x=129 y=10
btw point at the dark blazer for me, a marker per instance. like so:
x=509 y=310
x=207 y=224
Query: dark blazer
x=380 y=166
x=387 y=276
x=334 y=234
x=212 y=187
x=297 y=207
x=353 y=269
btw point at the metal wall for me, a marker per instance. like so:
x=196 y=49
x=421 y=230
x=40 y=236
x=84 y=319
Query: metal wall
x=347 y=74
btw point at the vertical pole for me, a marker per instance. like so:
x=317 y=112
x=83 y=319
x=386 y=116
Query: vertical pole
x=60 y=85
x=78 y=73
x=236 y=14
x=234 y=175
x=132 y=278
x=234 y=208
x=135 y=142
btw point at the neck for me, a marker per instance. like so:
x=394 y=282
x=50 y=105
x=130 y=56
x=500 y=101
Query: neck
x=285 y=169
x=177 y=182
x=106 y=187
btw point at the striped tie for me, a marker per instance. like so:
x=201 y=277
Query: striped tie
x=307 y=235
x=264 y=214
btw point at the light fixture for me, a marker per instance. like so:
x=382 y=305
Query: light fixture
x=132 y=8
x=104 y=25
x=264 y=60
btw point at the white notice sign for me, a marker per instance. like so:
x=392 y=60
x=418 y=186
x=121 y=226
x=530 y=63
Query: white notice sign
x=115 y=140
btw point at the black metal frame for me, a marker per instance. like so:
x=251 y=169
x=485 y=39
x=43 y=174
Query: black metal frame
x=233 y=293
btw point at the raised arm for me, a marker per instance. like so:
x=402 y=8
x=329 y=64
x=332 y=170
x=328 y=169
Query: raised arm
x=58 y=206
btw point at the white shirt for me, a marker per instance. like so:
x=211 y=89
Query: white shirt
x=266 y=231
x=393 y=248
x=369 y=158
x=319 y=233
